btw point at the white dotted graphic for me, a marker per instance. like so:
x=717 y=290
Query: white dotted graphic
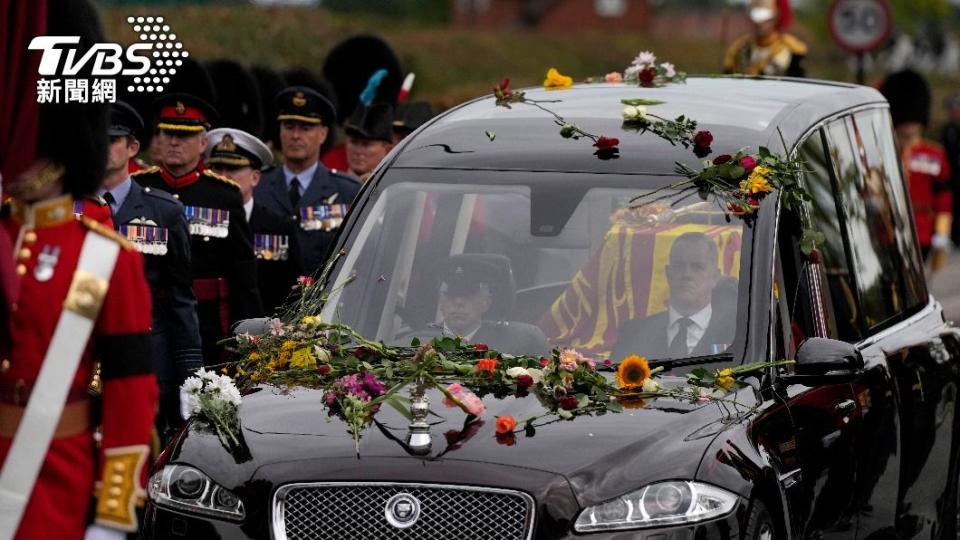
x=167 y=51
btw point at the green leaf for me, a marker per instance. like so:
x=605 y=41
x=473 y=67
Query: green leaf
x=735 y=172
x=764 y=152
x=415 y=342
x=637 y=102
x=583 y=401
x=529 y=430
x=395 y=402
x=615 y=406
x=565 y=414
x=366 y=365
x=490 y=135
x=698 y=373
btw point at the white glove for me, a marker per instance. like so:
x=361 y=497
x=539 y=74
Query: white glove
x=941 y=241
x=99 y=532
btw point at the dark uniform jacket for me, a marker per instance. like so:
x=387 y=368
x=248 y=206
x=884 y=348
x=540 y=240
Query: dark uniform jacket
x=153 y=215
x=223 y=265
x=505 y=336
x=272 y=192
x=277 y=273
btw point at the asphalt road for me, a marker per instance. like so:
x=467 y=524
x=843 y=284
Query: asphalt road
x=945 y=287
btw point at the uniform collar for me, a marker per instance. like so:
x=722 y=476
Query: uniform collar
x=42 y=214
x=180 y=182
x=304 y=176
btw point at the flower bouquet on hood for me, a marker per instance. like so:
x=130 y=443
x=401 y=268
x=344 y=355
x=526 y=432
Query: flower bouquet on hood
x=214 y=399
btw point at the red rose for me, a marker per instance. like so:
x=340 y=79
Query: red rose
x=647 y=76
x=362 y=352
x=482 y=347
x=815 y=257
x=721 y=159
x=504 y=87
x=568 y=403
x=604 y=143
x=703 y=139
x=323 y=369
x=544 y=362
x=748 y=163
x=607 y=362
x=524 y=382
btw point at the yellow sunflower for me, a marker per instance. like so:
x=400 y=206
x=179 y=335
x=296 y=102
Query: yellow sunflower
x=632 y=372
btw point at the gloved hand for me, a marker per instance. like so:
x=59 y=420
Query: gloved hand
x=941 y=246
x=99 y=532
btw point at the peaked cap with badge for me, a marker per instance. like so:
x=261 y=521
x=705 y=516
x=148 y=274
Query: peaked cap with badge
x=183 y=112
x=236 y=148
x=302 y=104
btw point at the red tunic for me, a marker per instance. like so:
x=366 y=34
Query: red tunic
x=94 y=208
x=928 y=179
x=335 y=159
x=74 y=466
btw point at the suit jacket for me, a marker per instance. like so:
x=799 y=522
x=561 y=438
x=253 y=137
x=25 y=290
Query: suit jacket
x=647 y=336
x=275 y=277
x=508 y=337
x=273 y=194
x=175 y=336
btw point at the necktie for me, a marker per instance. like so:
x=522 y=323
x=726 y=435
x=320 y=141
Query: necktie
x=678 y=347
x=294 y=192
x=107 y=196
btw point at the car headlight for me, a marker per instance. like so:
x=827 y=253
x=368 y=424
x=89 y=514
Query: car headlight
x=181 y=487
x=664 y=503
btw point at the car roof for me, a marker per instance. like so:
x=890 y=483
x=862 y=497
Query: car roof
x=739 y=111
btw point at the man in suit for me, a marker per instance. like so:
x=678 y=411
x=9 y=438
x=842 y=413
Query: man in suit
x=692 y=325
x=222 y=262
x=470 y=283
x=240 y=157
x=154 y=222
x=316 y=197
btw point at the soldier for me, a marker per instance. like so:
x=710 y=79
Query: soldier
x=925 y=163
x=408 y=117
x=222 y=260
x=241 y=157
x=303 y=188
x=155 y=223
x=369 y=138
x=769 y=50
x=81 y=298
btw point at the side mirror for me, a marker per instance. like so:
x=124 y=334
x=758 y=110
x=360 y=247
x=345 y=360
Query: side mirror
x=822 y=361
x=254 y=327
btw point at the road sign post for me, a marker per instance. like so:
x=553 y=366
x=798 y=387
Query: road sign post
x=860 y=27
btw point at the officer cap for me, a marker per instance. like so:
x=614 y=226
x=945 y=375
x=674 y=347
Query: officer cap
x=125 y=121
x=410 y=115
x=909 y=97
x=302 y=104
x=183 y=112
x=236 y=148
x=466 y=275
x=373 y=122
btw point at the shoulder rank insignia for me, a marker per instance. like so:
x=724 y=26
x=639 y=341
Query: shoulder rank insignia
x=271 y=247
x=208 y=222
x=224 y=179
x=148 y=170
x=147 y=237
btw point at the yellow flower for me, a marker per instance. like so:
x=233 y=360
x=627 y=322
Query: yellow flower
x=254 y=356
x=288 y=345
x=632 y=372
x=725 y=372
x=311 y=319
x=556 y=81
x=303 y=359
x=756 y=184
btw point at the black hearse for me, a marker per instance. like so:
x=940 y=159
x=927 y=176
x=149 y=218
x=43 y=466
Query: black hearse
x=857 y=439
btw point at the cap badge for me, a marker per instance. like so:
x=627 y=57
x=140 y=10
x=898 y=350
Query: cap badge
x=226 y=144
x=299 y=100
x=180 y=108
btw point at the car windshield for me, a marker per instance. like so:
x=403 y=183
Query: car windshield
x=524 y=262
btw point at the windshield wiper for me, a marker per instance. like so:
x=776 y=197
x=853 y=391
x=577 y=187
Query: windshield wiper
x=669 y=363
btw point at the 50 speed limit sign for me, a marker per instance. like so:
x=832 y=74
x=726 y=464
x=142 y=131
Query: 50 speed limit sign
x=860 y=26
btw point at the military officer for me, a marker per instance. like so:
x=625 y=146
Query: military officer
x=769 y=50
x=303 y=188
x=81 y=299
x=240 y=157
x=155 y=223
x=369 y=138
x=223 y=266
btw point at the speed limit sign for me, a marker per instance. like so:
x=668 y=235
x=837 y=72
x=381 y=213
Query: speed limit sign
x=860 y=26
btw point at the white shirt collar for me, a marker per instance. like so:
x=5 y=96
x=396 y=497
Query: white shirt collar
x=305 y=176
x=466 y=337
x=248 y=208
x=700 y=318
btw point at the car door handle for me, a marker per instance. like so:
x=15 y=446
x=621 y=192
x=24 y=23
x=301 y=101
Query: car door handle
x=846 y=406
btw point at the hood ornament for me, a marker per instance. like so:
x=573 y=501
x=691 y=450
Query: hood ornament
x=418 y=434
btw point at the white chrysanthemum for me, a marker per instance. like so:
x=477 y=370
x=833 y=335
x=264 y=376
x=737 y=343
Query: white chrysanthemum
x=645 y=58
x=650 y=385
x=192 y=385
x=515 y=372
x=669 y=69
x=631 y=112
x=536 y=375
x=206 y=376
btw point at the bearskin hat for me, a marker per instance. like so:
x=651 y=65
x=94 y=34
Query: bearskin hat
x=238 y=96
x=350 y=64
x=909 y=95
x=269 y=84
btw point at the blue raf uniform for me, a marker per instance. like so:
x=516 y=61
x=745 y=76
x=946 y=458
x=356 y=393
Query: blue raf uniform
x=317 y=198
x=155 y=223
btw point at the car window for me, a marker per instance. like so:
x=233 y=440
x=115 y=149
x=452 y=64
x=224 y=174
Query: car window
x=869 y=222
x=838 y=294
x=576 y=266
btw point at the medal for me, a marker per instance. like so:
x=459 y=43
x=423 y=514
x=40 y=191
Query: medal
x=46 y=262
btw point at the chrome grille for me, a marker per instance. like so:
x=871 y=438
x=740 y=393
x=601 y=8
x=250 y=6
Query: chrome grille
x=335 y=511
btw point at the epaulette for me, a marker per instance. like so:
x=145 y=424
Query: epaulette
x=106 y=232
x=148 y=170
x=161 y=195
x=223 y=179
x=346 y=176
x=794 y=44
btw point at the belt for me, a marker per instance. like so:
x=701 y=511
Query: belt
x=215 y=289
x=17 y=393
x=75 y=419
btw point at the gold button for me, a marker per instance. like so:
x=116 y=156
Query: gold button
x=114 y=492
x=30 y=237
x=21 y=269
x=116 y=479
x=25 y=253
x=119 y=467
x=113 y=504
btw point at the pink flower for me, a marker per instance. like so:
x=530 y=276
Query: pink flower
x=276 y=327
x=613 y=76
x=748 y=163
x=607 y=362
x=570 y=359
x=469 y=401
x=544 y=362
x=645 y=58
x=481 y=347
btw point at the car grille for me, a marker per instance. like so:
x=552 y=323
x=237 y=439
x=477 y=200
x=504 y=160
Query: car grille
x=330 y=511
